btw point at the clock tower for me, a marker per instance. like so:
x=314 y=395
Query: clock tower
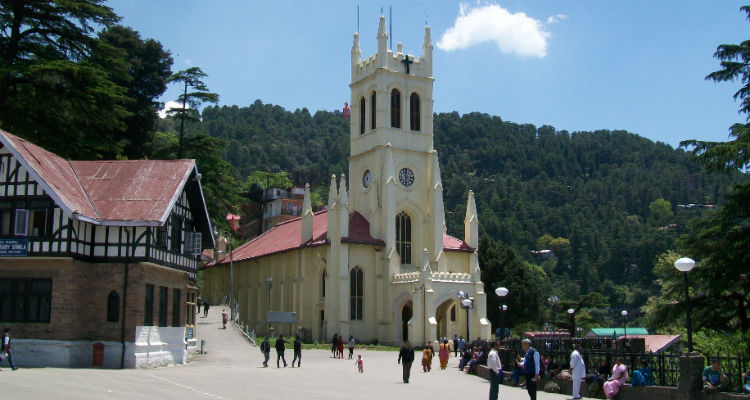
x=394 y=175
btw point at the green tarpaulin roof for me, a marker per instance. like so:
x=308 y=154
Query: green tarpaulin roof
x=617 y=332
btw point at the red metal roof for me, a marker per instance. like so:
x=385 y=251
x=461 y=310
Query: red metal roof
x=287 y=236
x=105 y=191
x=140 y=190
x=656 y=343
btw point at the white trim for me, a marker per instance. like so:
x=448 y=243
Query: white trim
x=176 y=195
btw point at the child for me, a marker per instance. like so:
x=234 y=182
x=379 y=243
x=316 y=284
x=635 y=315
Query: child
x=224 y=318
x=360 y=366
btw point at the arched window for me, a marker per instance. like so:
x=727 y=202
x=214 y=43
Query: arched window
x=403 y=237
x=323 y=283
x=356 y=290
x=362 y=116
x=414 y=112
x=113 y=307
x=373 y=117
x=395 y=108
x=453 y=313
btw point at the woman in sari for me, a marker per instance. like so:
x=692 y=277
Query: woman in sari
x=618 y=378
x=427 y=358
x=444 y=354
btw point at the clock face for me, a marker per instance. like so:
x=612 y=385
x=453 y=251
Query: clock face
x=406 y=177
x=366 y=178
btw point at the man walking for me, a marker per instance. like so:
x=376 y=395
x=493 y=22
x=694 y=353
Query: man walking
x=407 y=355
x=496 y=370
x=280 y=347
x=297 y=352
x=577 y=369
x=352 y=342
x=461 y=345
x=205 y=309
x=199 y=303
x=265 y=348
x=6 y=347
x=530 y=367
x=455 y=345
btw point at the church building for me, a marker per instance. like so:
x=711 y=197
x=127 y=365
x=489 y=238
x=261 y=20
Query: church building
x=377 y=263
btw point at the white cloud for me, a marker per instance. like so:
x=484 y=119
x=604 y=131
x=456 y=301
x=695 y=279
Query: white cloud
x=167 y=106
x=556 y=18
x=514 y=33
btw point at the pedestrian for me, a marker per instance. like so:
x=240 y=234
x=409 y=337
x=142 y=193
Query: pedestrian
x=360 y=365
x=577 y=370
x=340 y=347
x=617 y=379
x=530 y=367
x=205 y=309
x=496 y=370
x=427 y=358
x=351 y=346
x=461 y=345
x=224 y=318
x=198 y=302
x=265 y=348
x=297 y=352
x=280 y=347
x=335 y=344
x=444 y=354
x=455 y=345
x=6 y=348
x=407 y=355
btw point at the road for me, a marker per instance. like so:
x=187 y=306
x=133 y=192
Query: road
x=232 y=369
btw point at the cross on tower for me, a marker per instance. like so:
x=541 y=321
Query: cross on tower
x=406 y=62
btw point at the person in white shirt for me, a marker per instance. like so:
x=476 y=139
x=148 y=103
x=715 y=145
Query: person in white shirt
x=577 y=369
x=496 y=370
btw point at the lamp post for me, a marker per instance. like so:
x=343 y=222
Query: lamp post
x=552 y=301
x=685 y=265
x=572 y=314
x=269 y=281
x=501 y=292
x=467 y=303
x=624 y=314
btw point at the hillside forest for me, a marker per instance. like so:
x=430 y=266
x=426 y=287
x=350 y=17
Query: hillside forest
x=593 y=218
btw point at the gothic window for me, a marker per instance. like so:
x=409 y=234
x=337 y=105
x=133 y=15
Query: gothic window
x=414 y=112
x=395 y=109
x=372 y=111
x=453 y=313
x=113 y=307
x=356 y=290
x=362 y=116
x=323 y=284
x=403 y=237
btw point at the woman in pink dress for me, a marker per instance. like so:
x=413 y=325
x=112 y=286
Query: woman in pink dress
x=618 y=378
x=444 y=354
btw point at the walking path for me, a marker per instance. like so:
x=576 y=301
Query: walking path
x=232 y=369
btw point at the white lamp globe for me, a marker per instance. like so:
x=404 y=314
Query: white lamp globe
x=461 y=294
x=571 y=311
x=684 y=264
x=466 y=303
x=624 y=312
x=501 y=291
x=505 y=307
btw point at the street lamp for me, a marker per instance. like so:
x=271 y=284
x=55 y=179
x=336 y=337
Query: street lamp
x=467 y=303
x=685 y=265
x=572 y=313
x=501 y=292
x=553 y=300
x=269 y=281
x=624 y=314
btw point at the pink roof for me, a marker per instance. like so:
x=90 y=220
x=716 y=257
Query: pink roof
x=287 y=236
x=141 y=190
x=656 y=343
x=105 y=191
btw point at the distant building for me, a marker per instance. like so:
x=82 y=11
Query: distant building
x=268 y=208
x=97 y=256
x=613 y=333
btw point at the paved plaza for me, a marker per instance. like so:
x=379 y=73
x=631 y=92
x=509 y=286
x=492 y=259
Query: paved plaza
x=232 y=369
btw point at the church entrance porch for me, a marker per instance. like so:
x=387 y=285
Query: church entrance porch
x=446 y=319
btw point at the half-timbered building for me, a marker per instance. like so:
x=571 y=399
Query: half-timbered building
x=98 y=258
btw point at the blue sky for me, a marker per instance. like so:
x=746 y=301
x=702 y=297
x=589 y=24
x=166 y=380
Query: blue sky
x=579 y=65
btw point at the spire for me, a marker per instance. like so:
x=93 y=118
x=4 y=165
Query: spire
x=343 y=193
x=471 y=222
x=427 y=52
x=356 y=55
x=307 y=216
x=382 y=42
x=332 y=193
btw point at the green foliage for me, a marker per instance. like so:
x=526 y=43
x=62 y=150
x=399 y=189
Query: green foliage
x=192 y=78
x=265 y=180
x=661 y=209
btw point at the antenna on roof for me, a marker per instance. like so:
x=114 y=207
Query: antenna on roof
x=390 y=26
x=357 y=17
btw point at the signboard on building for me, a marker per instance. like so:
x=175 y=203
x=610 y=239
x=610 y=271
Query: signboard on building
x=189 y=334
x=282 y=317
x=14 y=247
